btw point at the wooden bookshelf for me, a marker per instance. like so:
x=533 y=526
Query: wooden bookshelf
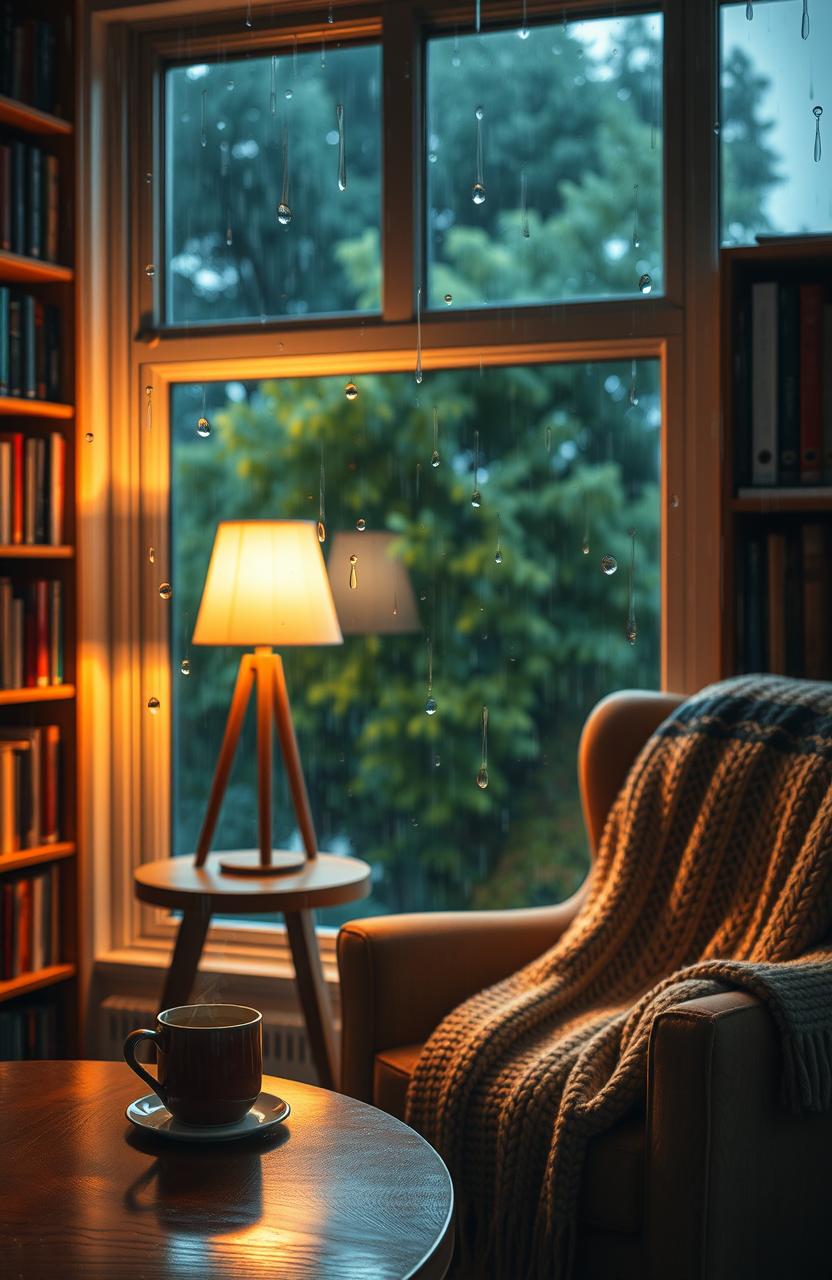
x=54 y=284
x=50 y=693
x=750 y=512
x=28 y=982
x=39 y=551
x=34 y=857
x=17 y=406
x=18 y=115
x=16 y=269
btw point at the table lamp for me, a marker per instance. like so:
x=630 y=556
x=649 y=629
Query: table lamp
x=266 y=585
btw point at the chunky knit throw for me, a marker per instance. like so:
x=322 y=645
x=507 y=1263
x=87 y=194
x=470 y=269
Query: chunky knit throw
x=714 y=871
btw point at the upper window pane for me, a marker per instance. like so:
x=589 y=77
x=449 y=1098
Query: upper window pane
x=775 y=179
x=571 y=145
x=233 y=129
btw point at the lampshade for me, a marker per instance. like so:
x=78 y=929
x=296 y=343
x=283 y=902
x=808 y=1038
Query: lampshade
x=382 y=602
x=266 y=585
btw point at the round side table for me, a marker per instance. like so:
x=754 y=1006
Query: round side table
x=200 y=892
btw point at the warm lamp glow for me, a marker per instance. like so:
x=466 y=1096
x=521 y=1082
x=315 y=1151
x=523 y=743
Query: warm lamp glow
x=267 y=585
x=383 y=602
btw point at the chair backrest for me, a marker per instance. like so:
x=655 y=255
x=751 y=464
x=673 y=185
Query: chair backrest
x=615 y=731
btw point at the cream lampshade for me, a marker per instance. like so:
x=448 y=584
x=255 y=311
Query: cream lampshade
x=266 y=585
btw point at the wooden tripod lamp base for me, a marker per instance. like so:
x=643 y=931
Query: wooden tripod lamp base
x=264 y=669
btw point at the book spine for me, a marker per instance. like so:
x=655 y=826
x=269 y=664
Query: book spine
x=55 y=632
x=5 y=196
x=42 y=494
x=51 y=784
x=4 y=340
x=6 y=667
x=34 y=240
x=811 y=337
x=789 y=385
x=815 y=603
x=30 y=380
x=764 y=398
x=17 y=490
x=7 y=799
x=6 y=485
x=742 y=394
x=15 y=348
x=776 y=555
x=51 y=204
x=40 y=352
x=24 y=926
x=18 y=629
x=826 y=399
x=18 y=210
x=53 y=353
x=30 y=500
x=57 y=472
x=37 y=922
x=42 y=632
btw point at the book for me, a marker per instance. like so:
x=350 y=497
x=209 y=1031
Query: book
x=30 y=378
x=15 y=347
x=764 y=387
x=826 y=398
x=5 y=196
x=4 y=340
x=788 y=424
x=51 y=207
x=34 y=202
x=811 y=350
x=18 y=197
x=776 y=555
x=5 y=492
x=742 y=393
x=815 y=602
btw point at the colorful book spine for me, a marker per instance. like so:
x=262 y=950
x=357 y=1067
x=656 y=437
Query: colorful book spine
x=30 y=940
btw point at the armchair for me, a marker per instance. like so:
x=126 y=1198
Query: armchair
x=712 y=1180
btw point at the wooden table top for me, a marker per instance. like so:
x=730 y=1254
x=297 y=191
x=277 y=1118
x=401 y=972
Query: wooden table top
x=343 y=1191
x=325 y=881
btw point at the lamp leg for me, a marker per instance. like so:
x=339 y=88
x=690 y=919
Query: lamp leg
x=184 y=962
x=233 y=727
x=264 y=757
x=313 y=994
x=291 y=757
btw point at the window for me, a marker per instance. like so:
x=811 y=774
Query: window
x=249 y=137
x=544 y=162
x=524 y=599
x=776 y=178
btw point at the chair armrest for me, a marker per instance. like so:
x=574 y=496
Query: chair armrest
x=736 y=1185
x=400 y=975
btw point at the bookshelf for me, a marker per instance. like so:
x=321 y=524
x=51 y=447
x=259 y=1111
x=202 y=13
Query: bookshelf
x=51 y=984
x=772 y=608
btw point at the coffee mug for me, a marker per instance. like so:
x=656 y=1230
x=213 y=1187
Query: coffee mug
x=209 y=1061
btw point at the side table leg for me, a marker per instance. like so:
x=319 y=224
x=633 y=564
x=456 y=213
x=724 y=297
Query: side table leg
x=314 y=997
x=180 y=976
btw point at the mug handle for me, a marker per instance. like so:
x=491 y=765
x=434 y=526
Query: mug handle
x=130 y=1058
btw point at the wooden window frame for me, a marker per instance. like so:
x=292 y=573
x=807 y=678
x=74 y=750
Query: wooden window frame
x=123 y=480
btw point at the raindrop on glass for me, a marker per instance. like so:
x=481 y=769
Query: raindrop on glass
x=418 y=374
x=630 y=631
x=817 y=112
x=477 y=15
x=284 y=212
x=89 y=437
x=498 y=554
x=203 y=135
x=273 y=85
x=153 y=706
x=430 y=706
x=448 y=299
x=203 y=428
x=804 y=22
x=165 y=591
x=478 y=189
x=633 y=397
x=482 y=778
x=645 y=284
x=287 y=93
x=249 y=22
x=321 y=531
x=609 y=565
x=674 y=500
x=361 y=524
x=524 y=211
x=353 y=574
x=150 y=270
x=351 y=391
x=523 y=33
x=185 y=667
x=476 y=498
x=547 y=438
x=151 y=554
x=636 y=233
x=342 y=151
x=749 y=10
x=148 y=407
x=329 y=16
x=434 y=457
x=585 y=546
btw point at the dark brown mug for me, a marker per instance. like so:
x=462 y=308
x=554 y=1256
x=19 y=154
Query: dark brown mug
x=209 y=1061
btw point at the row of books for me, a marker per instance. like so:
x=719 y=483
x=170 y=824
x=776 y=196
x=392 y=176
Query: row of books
x=30 y=787
x=783 y=601
x=783 y=386
x=30 y=347
x=30 y=1032
x=29 y=208
x=31 y=633
x=32 y=489
x=27 y=59
x=30 y=917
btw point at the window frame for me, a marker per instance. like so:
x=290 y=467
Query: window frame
x=123 y=484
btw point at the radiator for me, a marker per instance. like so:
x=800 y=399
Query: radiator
x=285 y=1047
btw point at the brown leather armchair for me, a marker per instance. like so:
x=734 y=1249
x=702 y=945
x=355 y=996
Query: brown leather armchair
x=712 y=1180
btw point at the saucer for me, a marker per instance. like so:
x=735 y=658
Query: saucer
x=150 y=1114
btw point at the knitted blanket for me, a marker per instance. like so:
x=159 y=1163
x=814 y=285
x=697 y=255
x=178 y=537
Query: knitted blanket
x=714 y=871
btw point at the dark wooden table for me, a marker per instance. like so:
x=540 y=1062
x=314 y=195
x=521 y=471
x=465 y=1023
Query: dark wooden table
x=200 y=892
x=343 y=1190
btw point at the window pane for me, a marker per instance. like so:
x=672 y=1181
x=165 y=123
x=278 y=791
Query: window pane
x=228 y=256
x=572 y=124
x=565 y=459
x=771 y=81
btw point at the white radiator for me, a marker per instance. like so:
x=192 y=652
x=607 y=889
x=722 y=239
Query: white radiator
x=285 y=1047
